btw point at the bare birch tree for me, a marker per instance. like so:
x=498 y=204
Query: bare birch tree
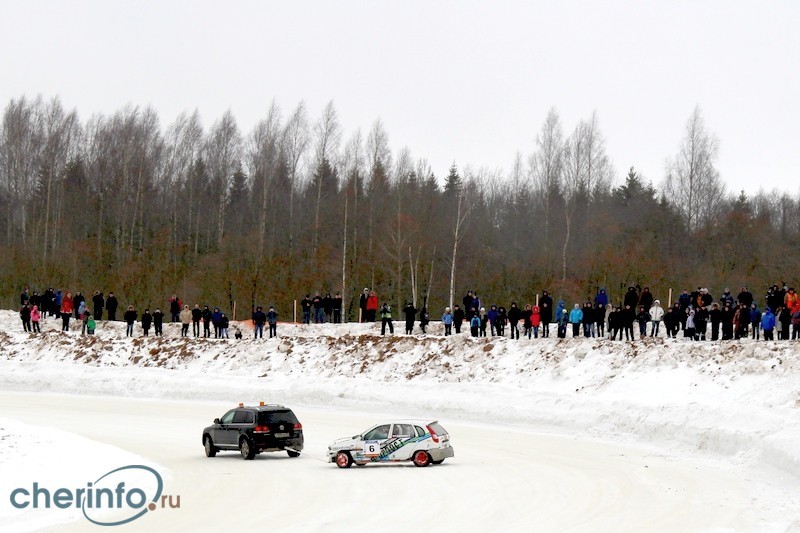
x=692 y=182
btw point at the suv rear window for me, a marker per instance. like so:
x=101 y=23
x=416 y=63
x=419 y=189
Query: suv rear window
x=438 y=429
x=276 y=417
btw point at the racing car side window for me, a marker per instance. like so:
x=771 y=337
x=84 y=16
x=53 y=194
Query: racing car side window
x=420 y=431
x=379 y=433
x=402 y=430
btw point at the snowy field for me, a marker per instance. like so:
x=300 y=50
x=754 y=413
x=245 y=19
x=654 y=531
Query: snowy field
x=549 y=435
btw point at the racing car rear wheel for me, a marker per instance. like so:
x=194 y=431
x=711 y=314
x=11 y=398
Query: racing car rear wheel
x=343 y=460
x=440 y=461
x=421 y=458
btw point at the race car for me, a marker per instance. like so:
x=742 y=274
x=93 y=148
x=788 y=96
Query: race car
x=420 y=441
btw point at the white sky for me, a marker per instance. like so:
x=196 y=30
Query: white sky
x=469 y=82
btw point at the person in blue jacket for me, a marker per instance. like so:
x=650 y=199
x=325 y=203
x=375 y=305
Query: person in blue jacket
x=560 y=310
x=447 y=320
x=755 y=320
x=492 y=314
x=575 y=318
x=768 y=324
x=601 y=298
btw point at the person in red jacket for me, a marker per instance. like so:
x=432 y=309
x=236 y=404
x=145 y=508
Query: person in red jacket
x=372 y=306
x=66 y=311
x=536 y=320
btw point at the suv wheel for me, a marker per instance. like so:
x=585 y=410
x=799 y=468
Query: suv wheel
x=421 y=458
x=293 y=453
x=247 y=450
x=343 y=460
x=211 y=451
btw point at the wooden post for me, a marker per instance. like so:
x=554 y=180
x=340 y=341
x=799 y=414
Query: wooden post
x=359 y=314
x=234 y=310
x=669 y=301
x=294 y=311
x=537 y=299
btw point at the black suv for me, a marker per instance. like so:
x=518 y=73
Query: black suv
x=252 y=430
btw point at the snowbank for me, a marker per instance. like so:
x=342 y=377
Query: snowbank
x=740 y=399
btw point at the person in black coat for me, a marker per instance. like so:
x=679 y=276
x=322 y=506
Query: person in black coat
x=36 y=300
x=468 y=302
x=206 y=321
x=76 y=303
x=337 y=309
x=111 y=306
x=514 y=316
x=587 y=320
x=784 y=316
x=646 y=299
x=97 y=302
x=458 y=318
x=423 y=318
x=643 y=318
x=327 y=306
x=175 y=308
x=147 y=319
x=306 y=304
x=502 y=320
x=727 y=321
x=197 y=315
x=701 y=323
x=600 y=320
x=362 y=303
x=627 y=316
x=130 y=317
x=25 y=315
x=546 y=312
x=631 y=298
x=158 y=322
x=410 y=313
x=671 y=323
x=715 y=317
x=259 y=319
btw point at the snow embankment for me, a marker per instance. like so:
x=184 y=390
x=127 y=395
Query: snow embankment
x=740 y=399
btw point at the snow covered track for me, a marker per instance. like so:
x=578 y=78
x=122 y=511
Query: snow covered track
x=738 y=402
x=501 y=479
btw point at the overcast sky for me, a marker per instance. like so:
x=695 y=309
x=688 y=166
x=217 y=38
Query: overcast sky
x=469 y=82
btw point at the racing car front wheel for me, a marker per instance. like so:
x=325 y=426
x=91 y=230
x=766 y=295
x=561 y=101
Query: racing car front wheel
x=343 y=460
x=421 y=458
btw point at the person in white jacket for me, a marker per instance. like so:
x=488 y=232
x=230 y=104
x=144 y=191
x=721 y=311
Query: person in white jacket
x=656 y=314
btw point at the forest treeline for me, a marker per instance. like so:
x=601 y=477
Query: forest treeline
x=296 y=206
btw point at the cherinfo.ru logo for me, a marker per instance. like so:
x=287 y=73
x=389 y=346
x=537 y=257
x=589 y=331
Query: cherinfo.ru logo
x=115 y=498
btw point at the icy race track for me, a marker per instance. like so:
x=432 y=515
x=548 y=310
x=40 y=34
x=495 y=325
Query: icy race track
x=586 y=437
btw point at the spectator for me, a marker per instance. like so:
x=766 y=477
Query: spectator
x=701 y=323
x=216 y=319
x=575 y=318
x=206 y=315
x=25 y=315
x=627 y=317
x=337 y=309
x=458 y=318
x=158 y=322
x=671 y=323
x=147 y=319
x=186 y=319
x=77 y=300
x=588 y=320
x=715 y=316
x=259 y=319
x=601 y=298
x=468 y=302
x=423 y=318
x=646 y=299
x=447 y=320
x=656 y=315
x=319 y=311
x=600 y=319
x=546 y=311
x=492 y=315
x=223 y=326
x=362 y=304
x=474 y=325
x=372 y=306
x=643 y=318
x=768 y=324
x=111 y=306
x=689 y=332
x=527 y=321
x=514 y=316
x=536 y=320
x=306 y=304
x=66 y=310
x=197 y=315
x=85 y=322
x=36 y=316
x=327 y=306
x=97 y=304
x=175 y=307
x=386 y=319
x=91 y=324
x=410 y=313
x=755 y=320
x=272 y=318
x=130 y=317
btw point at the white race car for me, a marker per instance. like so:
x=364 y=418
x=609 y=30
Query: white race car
x=420 y=441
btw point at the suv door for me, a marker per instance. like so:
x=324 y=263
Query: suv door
x=222 y=431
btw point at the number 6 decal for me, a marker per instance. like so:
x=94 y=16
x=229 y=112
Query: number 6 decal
x=372 y=448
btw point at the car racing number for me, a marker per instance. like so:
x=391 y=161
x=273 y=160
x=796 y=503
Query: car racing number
x=372 y=448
